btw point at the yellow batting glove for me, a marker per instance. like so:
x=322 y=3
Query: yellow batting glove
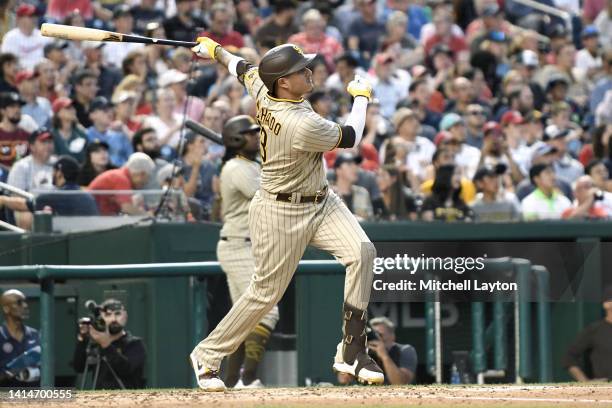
x=205 y=48
x=360 y=87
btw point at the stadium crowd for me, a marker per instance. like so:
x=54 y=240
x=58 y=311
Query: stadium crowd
x=484 y=110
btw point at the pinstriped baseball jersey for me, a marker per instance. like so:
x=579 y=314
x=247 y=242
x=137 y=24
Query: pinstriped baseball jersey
x=292 y=140
x=239 y=181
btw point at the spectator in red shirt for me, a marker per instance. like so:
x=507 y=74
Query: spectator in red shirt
x=59 y=9
x=443 y=23
x=312 y=38
x=133 y=175
x=221 y=27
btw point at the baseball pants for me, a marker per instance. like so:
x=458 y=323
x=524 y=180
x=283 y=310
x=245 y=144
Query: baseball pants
x=237 y=262
x=280 y=233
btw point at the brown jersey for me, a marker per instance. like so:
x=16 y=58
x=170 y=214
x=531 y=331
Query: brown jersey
x=292 y=140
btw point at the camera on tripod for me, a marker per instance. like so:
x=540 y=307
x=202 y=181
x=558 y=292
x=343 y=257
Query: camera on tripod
x=95 y=318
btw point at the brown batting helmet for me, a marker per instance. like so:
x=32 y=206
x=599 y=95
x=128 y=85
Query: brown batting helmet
x=235 y=128
x=282 y=61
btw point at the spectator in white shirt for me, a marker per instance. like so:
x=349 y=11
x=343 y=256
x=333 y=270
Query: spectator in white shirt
x=468 y=156
x=25 y=41
x=545 y=202
x=589 y=59
x=114 y=53
x=390 y=84
x=34 y=172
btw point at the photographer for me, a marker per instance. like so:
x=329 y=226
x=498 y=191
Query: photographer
x=20 y=344
x=398 y=361
x=587 y=204
x=120 y=356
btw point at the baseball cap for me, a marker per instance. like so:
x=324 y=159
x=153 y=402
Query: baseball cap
x=55 y=45
x=68 y=166
x=491 y=127
x=100 y=102
x=590 y=31
x=24 y=76
x=555 y=80
x=491 y=10
x=442 y=136
x=40 y=134
x=553 y=132
x=529 y=58
x=111 y=305
x=25 y=10
x=449 y=120
x=542 y=149
x=485 y=171
x=121 y=11
x=346 y=157
x=10 y=98
x=172 y=76
x=401 y=115
x=61 y=103
x=122 y=96
x=511 y=117
x=440 y=49
x=96 y=144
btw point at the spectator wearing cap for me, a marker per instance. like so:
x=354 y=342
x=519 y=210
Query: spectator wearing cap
x=85 y=88
x=313 y=39
x=364 y=32
x=419 y=149
x=545 y=202
x=34 y=172
x=399 y=42
x=13 y=139
x=166 y=122
x=77 y=202
x=467 y=157
x=69 y=137
x=594 y=342
x=201 y=175
x=279 y=26
x=347 y=67
x=398 y=202
x=126 y=121
x=496 y=150
x=145 y=13
x=133 y=175
x=587 y=201
x=356 y=198
x=445 y=203
x=564 y=67
x=123 y=21
x=184 y=24
x=25 y=41
x=97 y=161
x=221 y=27
x=588 y=58
x=565 y=166
x=107 y=75
x=527 y=65
x=389 y=83
x=603 y=22
x=443 y=34
x=101 y=115
x=177 y=82
x=37 y=107
x=492 y=203
x=475 y=118
x=443 y=156
x=518 y=153
x=604 y=84
x=9 y=66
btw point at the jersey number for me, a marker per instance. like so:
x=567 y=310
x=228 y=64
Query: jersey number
x=263 y=141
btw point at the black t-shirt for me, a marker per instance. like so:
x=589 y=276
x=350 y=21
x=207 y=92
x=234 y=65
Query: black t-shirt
x=458 y=211
x=143 y=16
x=125 y=355
x=594 y=340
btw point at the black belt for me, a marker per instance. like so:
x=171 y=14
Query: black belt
x=288 y=197
x=227 y=239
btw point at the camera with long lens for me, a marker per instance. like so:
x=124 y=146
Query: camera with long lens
x=95 y=318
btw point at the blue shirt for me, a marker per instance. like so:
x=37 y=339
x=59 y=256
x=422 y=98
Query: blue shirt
x=120 y=147
x=80 y=203
x=11 y=349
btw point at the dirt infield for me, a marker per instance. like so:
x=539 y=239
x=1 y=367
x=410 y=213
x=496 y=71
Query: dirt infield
x=570 y=395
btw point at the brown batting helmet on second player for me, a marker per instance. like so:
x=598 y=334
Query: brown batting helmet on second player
x=235 y=128
x=282 y=61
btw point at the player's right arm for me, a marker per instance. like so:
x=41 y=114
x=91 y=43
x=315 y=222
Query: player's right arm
x=237 y=66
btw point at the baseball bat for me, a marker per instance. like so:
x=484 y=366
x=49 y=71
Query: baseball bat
x=67 y=32
x=204 y=131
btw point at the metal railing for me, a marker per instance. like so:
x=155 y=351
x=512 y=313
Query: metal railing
x=564 y=15
x=47 y=274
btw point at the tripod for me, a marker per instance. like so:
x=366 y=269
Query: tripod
x=95 y=359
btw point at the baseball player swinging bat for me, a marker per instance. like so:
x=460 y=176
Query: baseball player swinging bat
x=67 y=32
